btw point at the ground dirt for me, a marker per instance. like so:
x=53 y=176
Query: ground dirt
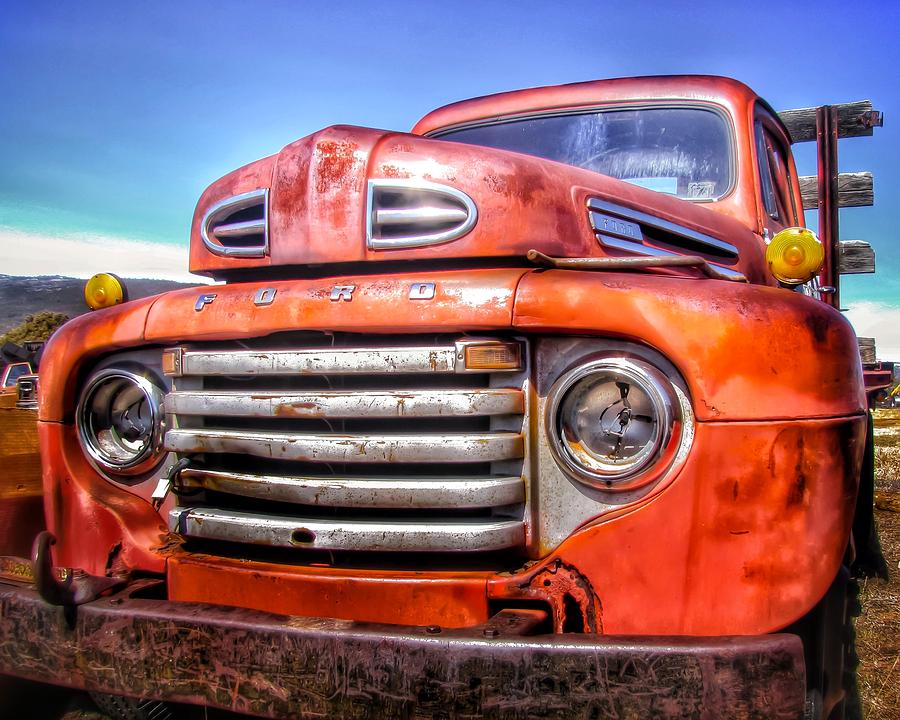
x=878 y=626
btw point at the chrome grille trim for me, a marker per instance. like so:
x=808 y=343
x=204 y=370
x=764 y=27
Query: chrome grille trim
x=431 y=448
x=225 y=236
x=427 y=360
x=338 y=361
x=360 y=491
x=347 y=404
x=378 y=536
x=350 y=437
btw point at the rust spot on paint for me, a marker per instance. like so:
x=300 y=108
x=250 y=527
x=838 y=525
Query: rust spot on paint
x=392 y=171
x=522 y=185
x=575 y=606
x=335 y=160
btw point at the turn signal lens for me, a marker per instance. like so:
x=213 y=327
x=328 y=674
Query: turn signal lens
x=104 y=290
x=493 y=356
x=795 y=255
x=171 y=361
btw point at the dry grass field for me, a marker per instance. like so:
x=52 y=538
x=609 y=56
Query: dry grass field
x=878 y=626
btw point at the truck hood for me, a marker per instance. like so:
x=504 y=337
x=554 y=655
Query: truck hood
x=314 y=202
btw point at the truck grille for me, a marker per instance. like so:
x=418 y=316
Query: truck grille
x=394 y=446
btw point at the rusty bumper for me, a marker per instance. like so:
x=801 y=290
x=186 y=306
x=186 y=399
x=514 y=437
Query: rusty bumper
x=279 y=666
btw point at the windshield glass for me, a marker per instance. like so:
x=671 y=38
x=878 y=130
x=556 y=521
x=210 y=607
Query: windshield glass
x=679 y=151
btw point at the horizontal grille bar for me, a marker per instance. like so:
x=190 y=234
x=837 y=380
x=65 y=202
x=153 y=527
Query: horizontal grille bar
x=335 y=361
x=431 y=448
x=376 y=492
x=344 y=404
x=395 y=536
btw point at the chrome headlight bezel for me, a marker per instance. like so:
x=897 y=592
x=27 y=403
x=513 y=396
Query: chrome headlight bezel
x=669 y=412
x=113 y=381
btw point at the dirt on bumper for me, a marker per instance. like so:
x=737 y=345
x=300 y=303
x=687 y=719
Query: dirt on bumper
x=278 y=666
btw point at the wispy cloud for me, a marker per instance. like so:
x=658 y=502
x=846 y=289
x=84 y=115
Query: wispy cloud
x=881 y=321
x=81 y=256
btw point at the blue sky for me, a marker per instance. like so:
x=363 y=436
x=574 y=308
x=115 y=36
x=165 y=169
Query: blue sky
x=116 y=115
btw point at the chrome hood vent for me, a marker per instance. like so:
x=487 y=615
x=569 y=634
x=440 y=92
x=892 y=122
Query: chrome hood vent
x=407 y=213
x=632 y=231
x=238 y=226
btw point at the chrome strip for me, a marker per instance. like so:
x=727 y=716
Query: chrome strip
x=328 y=361
x=432 y=536
x=639 y=249
x=376 y=243
x=375 y=492
x=431 y=448
x=347 y=404
x=401 y=216
x=660 y=224
x=240 y=229
x=233 y=204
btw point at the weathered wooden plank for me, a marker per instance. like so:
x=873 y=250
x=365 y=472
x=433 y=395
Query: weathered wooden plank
x=856 y=119
x=856 y=189
x=20 y=458
x=866 y=349
x=856 y=256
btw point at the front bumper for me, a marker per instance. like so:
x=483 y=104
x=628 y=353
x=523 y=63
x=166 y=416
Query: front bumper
x=283 y=666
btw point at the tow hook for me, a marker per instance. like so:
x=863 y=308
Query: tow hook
x=67 y=587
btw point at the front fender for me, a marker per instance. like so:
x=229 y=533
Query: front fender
x=746 y=352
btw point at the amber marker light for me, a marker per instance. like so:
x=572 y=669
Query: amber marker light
x=493 y=356
x=104 y=290
x=795 y=255
x=171 y=361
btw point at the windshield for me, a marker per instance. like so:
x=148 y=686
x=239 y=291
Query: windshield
x=679 y=151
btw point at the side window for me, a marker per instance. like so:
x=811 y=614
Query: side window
x=773 y=177
x=14 y=372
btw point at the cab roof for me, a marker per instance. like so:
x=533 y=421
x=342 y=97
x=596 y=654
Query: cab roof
x=723 y=91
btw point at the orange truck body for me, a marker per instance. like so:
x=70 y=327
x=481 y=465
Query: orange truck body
x=741 y=537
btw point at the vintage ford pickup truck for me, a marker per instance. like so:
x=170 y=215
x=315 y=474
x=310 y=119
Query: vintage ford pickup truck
x=541 y=410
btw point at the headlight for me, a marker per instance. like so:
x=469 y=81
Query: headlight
x=119 y=420
x=611 y=420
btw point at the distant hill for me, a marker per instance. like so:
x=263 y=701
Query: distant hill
x=21 y=296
